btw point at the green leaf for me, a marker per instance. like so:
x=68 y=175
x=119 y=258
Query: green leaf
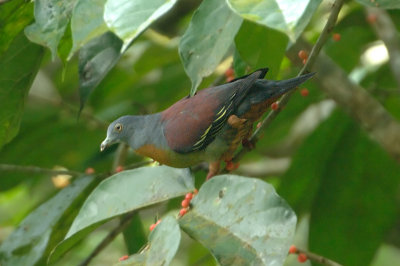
x=128 y=19
x=96 y=59
x=87 y=22
x=287 y=16
x=134 y=235
x=125 y=192
x=206 y=41
x=388 y=4
x=163 y=244
x=349 y=184
x=18 y=67
x=14 y=16
x=241 y=220
x=32 y=241
x=261 y=47
x=51 y=20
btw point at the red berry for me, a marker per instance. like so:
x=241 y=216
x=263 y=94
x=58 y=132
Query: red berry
x=119 y=168
x=189 y=196
x=304 y=92
x=125 y=257
x=159 y=221
x=152 y=227
x=183 y=212
x=274 y=106
x=90 y=171
x=292 y=249
x=303 y=55
x=302 y=257
x=259 y=124
x=195 y=191
x=230 y=166
x=371 y=18
x=185 y=203
x=336 y=37
x=229 y=72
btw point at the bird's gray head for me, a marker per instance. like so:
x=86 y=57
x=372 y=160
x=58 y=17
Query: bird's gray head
x=118 y=131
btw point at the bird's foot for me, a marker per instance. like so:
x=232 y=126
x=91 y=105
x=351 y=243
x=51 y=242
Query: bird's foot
x=230 y=165
x=213 y=169
x=248 y=144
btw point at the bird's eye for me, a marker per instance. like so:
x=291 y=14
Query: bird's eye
x=118 y=127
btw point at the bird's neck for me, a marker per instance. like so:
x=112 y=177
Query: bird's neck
x=148 y=131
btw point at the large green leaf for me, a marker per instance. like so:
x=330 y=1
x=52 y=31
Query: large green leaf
x=37 y=234
x=125 y=192
x=134 y=235
x=14 y=16
x=163 y=244
x=51 y=20
x=87 y=22
x=242 y=221
x=261 y=47
x=206 y=41
x=349 y=184
x=96 y=59
x=287 y=16
x=128 y=19
x=18 y=67
x=389 y=4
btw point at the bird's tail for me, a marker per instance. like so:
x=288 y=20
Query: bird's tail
x=277 y=88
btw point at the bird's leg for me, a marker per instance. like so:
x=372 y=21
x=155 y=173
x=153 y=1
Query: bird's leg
x=230 y=165
x=213 y=169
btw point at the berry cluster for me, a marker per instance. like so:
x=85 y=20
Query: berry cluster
x=301 y=257
x=186 y=202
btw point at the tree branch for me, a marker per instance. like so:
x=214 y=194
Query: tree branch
x=36 y=170
x=356 y=101
x=386 y=31
x=317 y=258
x=109 y=238
x=337 y=5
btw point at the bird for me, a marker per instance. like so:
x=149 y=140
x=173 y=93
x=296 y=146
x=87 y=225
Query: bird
x=206 y=127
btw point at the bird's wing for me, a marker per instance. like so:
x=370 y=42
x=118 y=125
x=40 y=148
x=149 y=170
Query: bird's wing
x=192 y=123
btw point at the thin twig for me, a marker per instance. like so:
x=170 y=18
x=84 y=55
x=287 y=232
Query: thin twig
x=386 y=30
x=36 y=170
x=317 y=258
x=337 y=5
x=109 y=238
x=120 y=156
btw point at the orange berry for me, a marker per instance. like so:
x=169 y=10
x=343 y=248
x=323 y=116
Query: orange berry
x=304 y=92
x=229 y=72
x=292 y=249
x=259 y=124
x=152 y=227
x=159 y=221
x=371 y=18
x=125 y=257
x=230 y=166
x=302 y=258
x=274 y=106
x=229 y=78
x=185 y=203
x=336 y=37
x=89 y=171
x=183 y=212
x=119 y=168
x=303 y=54
x=195 y=191
x=304 y=61
x=189 y=196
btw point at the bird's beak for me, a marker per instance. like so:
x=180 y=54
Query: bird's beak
x=104 y=144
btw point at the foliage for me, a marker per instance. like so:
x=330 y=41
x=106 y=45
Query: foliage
x=108 y=58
